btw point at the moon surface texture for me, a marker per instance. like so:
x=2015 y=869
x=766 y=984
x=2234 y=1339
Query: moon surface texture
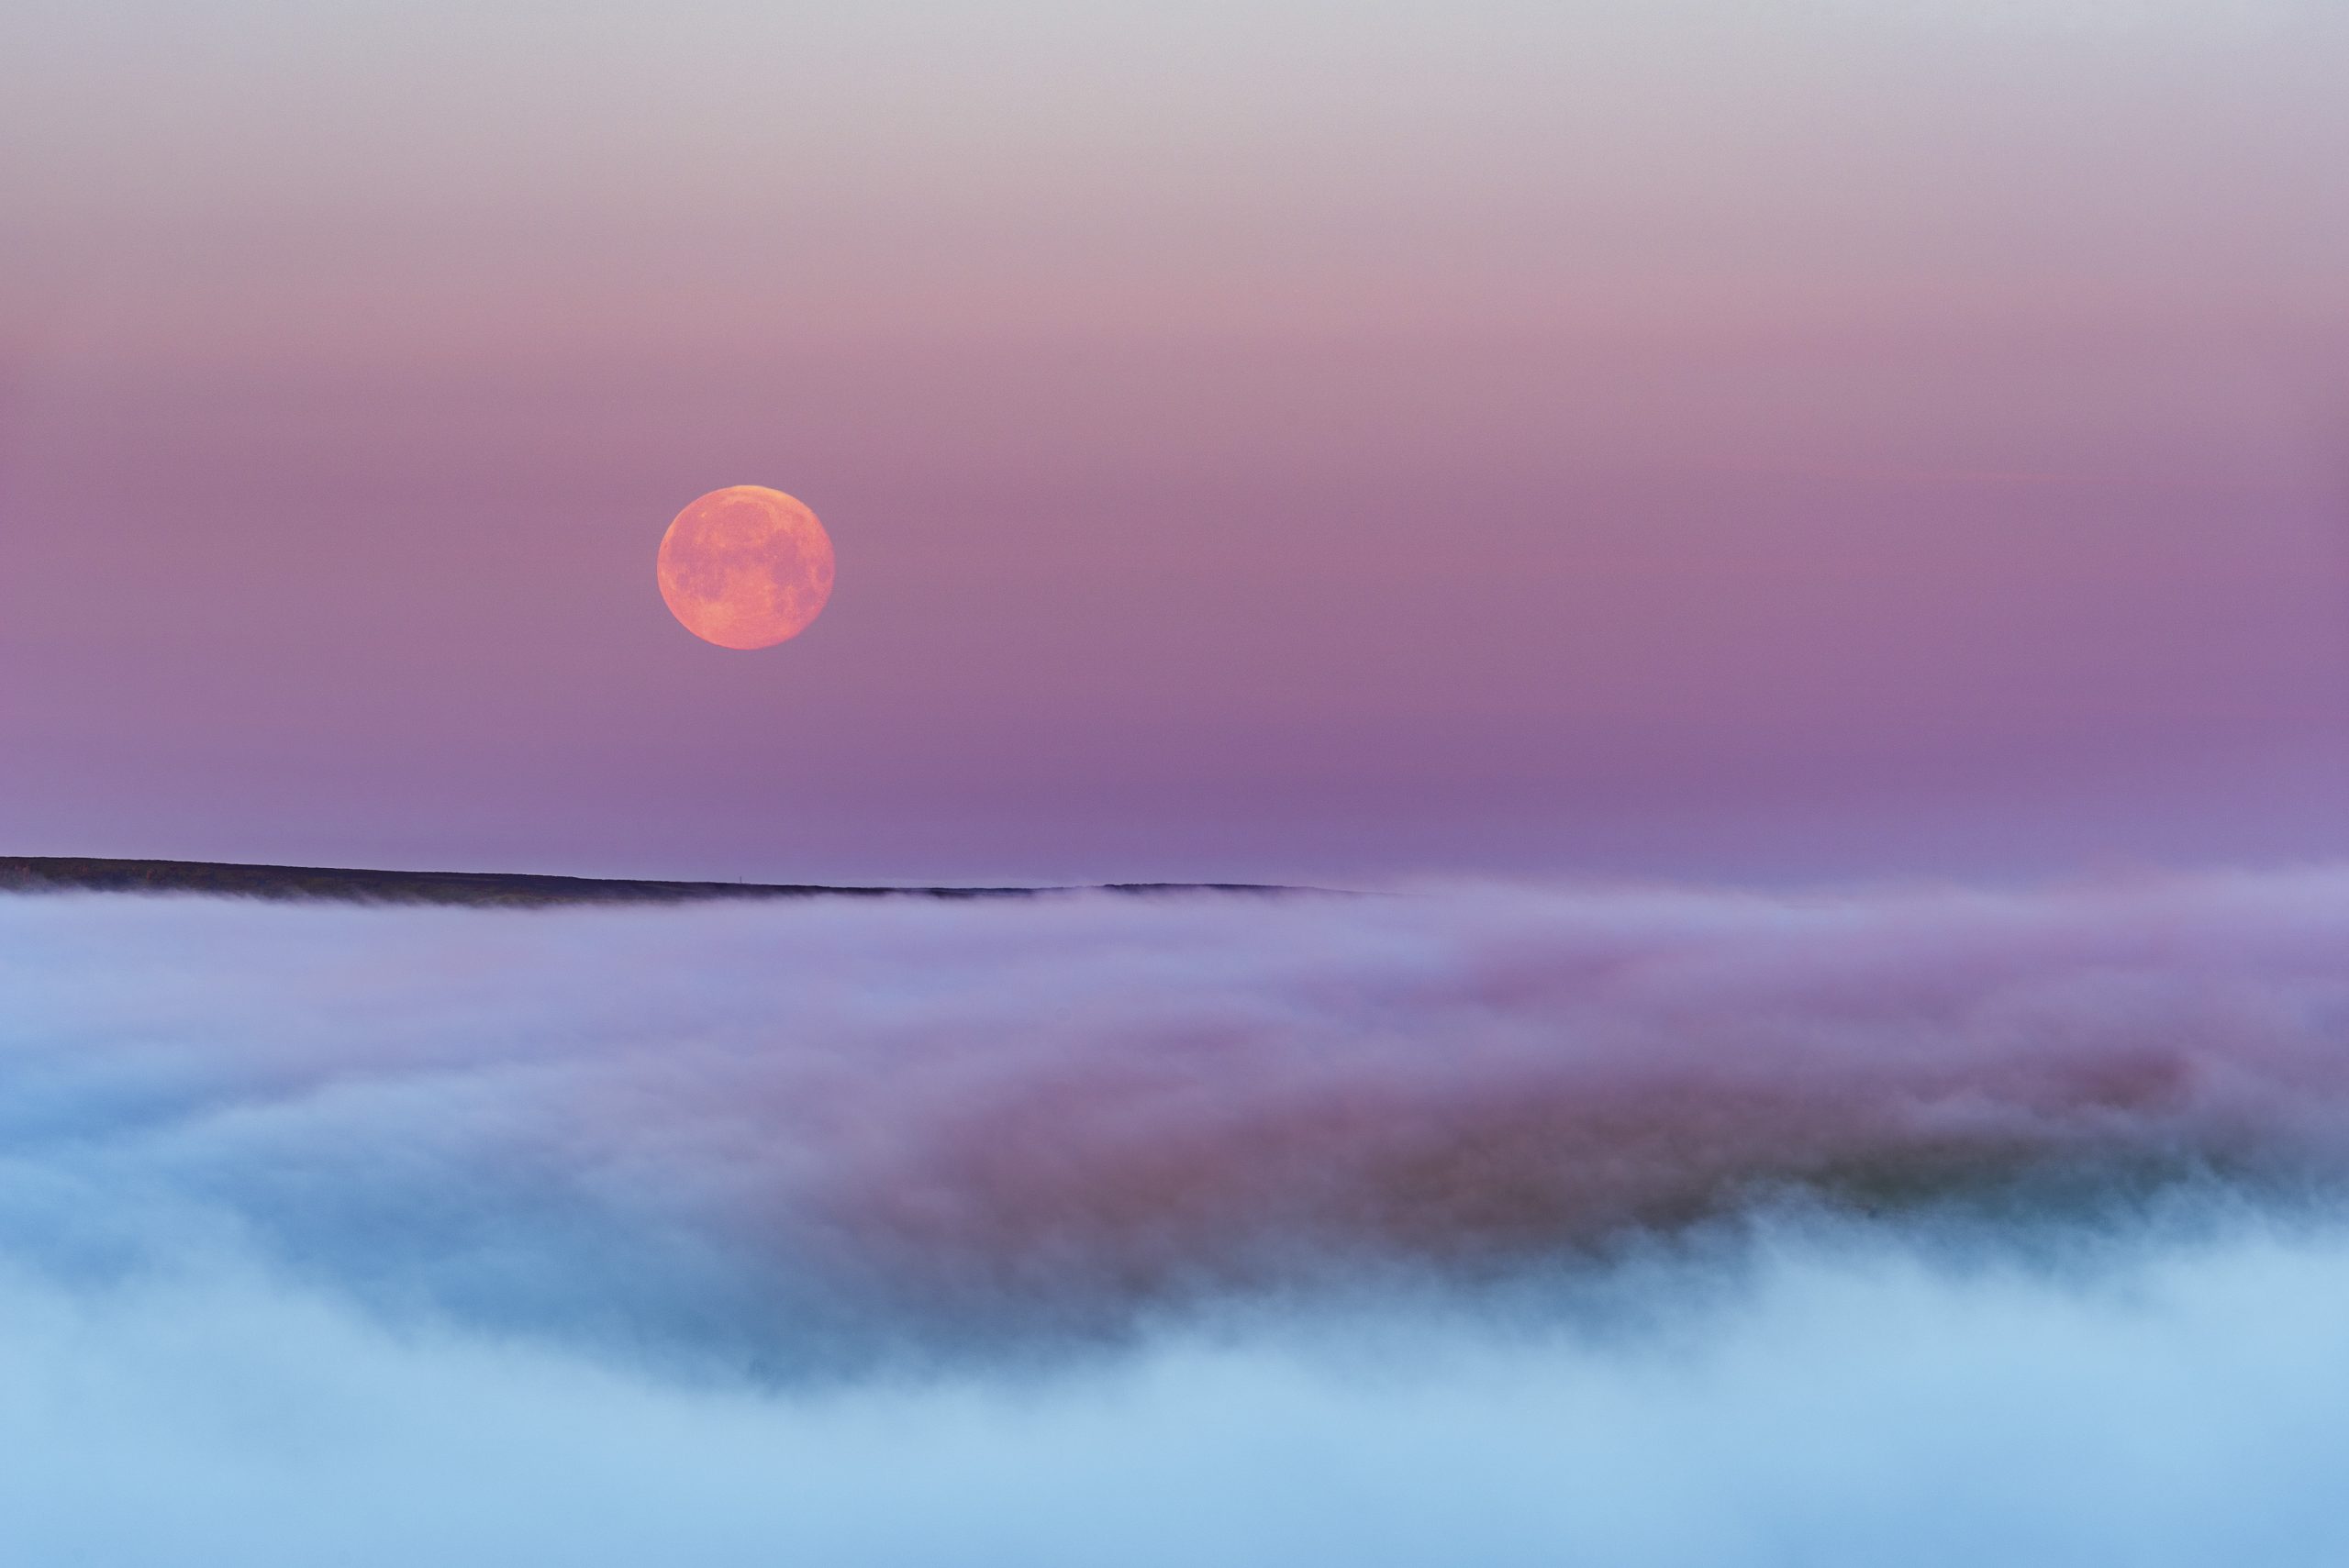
x=746 y=567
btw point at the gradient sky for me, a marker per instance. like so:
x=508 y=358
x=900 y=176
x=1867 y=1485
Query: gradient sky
x=1769 y=437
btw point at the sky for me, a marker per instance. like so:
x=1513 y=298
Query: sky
x=1776 y=441
x=1799 y=548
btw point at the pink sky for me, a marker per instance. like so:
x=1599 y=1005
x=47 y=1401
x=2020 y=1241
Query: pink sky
x=1815 y=438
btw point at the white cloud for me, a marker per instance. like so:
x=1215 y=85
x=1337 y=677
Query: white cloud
x=795 y=1134
x=1853 y=1403
x=1449 y=1226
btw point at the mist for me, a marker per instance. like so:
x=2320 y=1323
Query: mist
x=1495 y=1223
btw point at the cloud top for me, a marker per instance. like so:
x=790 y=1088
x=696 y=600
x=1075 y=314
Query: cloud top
x=805 y=1134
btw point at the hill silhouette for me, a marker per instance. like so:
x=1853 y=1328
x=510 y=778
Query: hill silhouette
x=55 y=873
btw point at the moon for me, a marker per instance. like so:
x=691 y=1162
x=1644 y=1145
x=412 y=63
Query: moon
x=746 y=567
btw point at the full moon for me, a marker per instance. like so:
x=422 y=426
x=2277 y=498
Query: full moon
x=746 y=567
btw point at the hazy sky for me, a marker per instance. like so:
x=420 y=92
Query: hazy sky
x=1793 y=437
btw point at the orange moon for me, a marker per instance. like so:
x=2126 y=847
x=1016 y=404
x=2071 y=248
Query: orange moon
x=746 y=567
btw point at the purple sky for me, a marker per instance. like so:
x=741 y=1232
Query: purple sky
x=1811 y=438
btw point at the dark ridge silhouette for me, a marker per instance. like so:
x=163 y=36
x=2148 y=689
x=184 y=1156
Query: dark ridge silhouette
x=55 y=874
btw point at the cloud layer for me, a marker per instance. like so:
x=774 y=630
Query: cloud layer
x=1852 y=1402
x=1490 y=1224
x=805 y=1138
